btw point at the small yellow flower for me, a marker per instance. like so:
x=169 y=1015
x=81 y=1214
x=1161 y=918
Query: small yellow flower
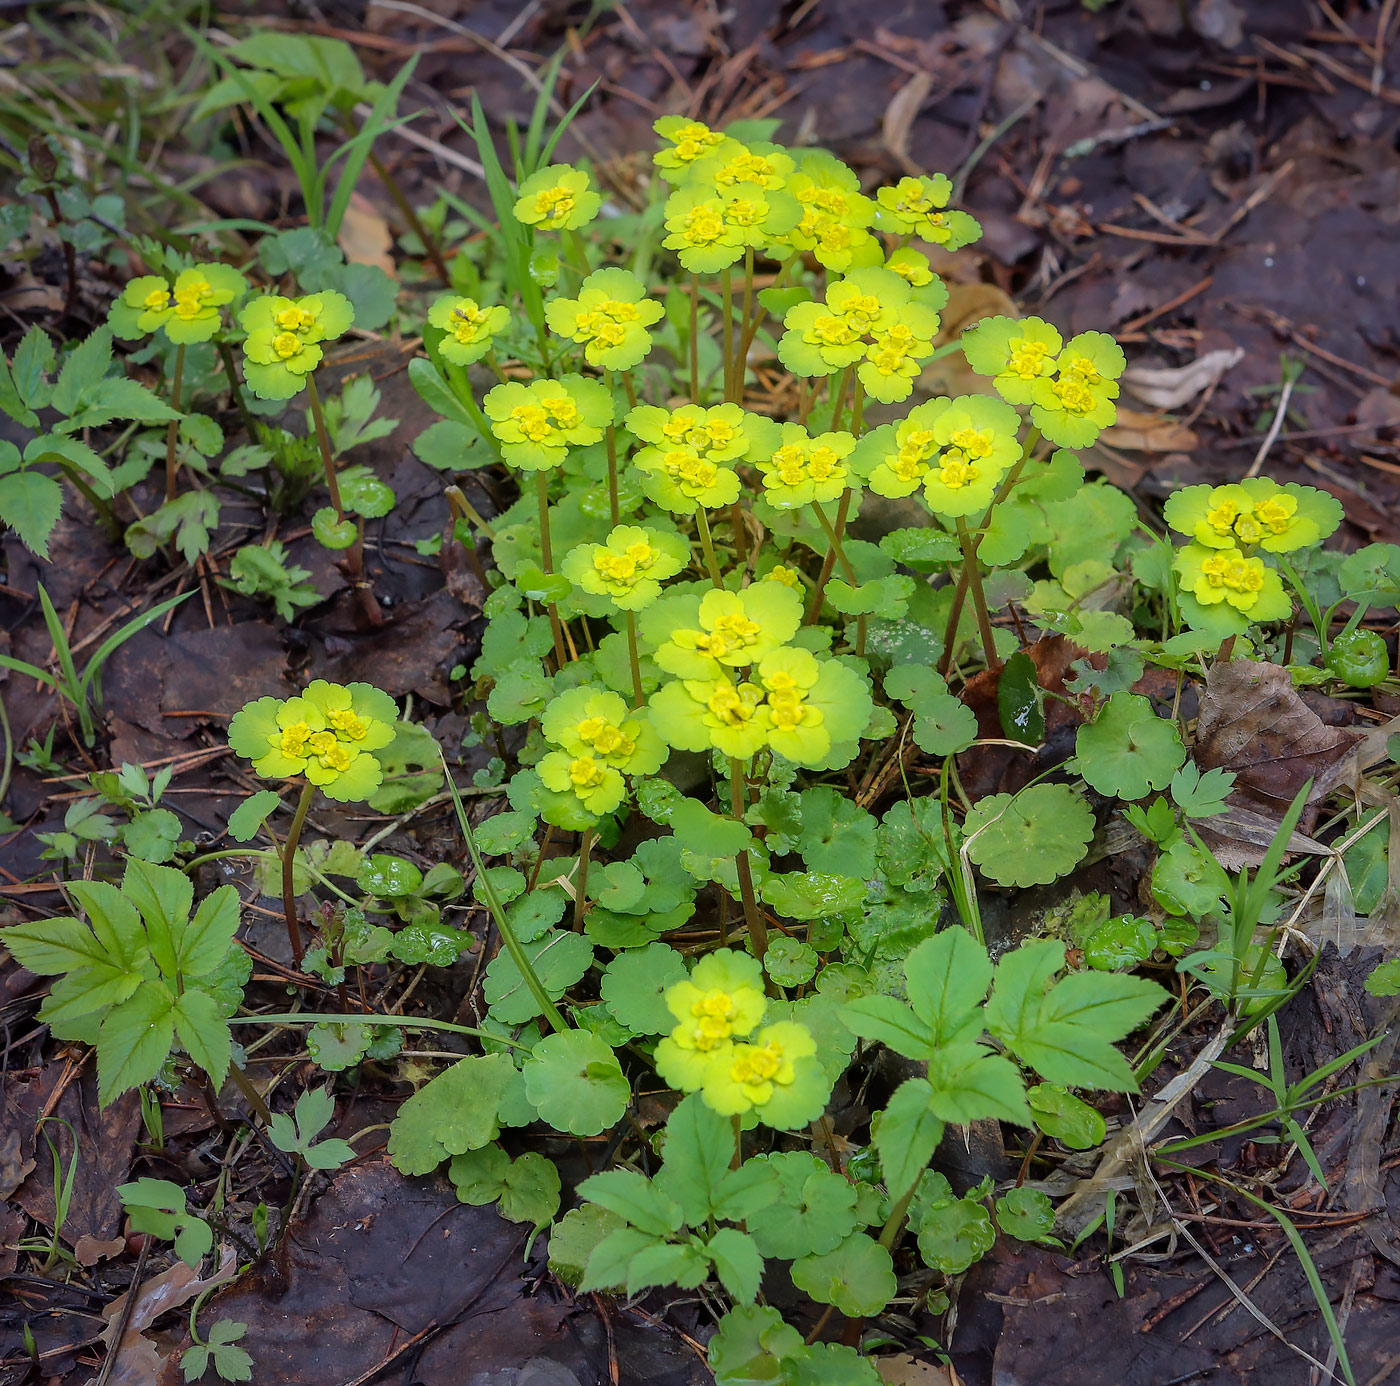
x=557 y=198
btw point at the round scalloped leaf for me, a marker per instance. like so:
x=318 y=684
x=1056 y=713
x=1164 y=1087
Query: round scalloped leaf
x=1025 y=1214
x=858 y=1277
x=750 y=1346
x=789 y=961
x=576 y=1083
x=1031 y=838
x=330 y=532
x=634 y=988
x=1065 y=1117
x=573 y=1237
x=1127 y=749
x=955 y=1235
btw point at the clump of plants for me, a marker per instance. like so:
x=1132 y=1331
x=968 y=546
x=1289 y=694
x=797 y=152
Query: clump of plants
x=718 y=877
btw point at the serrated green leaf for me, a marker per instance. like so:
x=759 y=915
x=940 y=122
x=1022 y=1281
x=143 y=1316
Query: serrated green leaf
x=246 y=820
x=135 y=1040
x=203 y=1031
x=30 y=503
x=636 y=1199
x=906 y=1134
x=948 y=977
x=737 y=1263
x=203 y=943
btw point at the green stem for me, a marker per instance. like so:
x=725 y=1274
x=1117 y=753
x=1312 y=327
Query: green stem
x=547 y=561
x=406 y=1022
x=753 y=917
x=738 y=1142
x=979 y=597
x=289 y=852
x=638 y=697
x=707 y=546
x=741 y=359
x=585 y=850
x=756 y=322
x=323 y=440
x=172 y=432
x=843 y=382
x=235 y=389
x=518 y=956
x=889 y=1233
x=611 y=435
x=833 y=554
x=857 y=408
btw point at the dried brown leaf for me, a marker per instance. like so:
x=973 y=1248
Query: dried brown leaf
x=1169 y=387
x=1149 y=433
x=1253 y=722
x=900 y=115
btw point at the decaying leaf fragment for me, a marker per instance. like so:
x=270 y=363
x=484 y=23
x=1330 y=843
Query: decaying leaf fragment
x=1253 y=722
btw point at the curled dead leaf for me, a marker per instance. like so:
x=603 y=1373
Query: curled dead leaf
x=1136 y=432
x=1253 y=722
x=900 y=115
x=1169 y=387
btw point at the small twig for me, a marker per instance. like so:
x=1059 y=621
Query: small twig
x=1274 y=427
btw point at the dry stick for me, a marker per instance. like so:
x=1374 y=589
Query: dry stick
x=289 y=852
x=1283 y=397
x=547 y=562
x=172 y=432
x=410 y=215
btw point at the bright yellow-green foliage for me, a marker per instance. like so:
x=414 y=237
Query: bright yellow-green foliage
x=557 y=198
x=536 y=424
x=328 y=736
x=186 y=311
x=468 y=328
x=284 y=339
x=609 y=318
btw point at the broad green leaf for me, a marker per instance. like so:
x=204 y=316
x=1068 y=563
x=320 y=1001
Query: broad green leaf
x=576 y=1083
x=891 y=1023
x=1025 y=1214
x=836 y=836
x=1128 y=749
x=479 y=1176
x=681 y=1265
x=134 y=1041
x=86 y=992
x=1030 y=838
x=858 y=1277
x=453 y=1113
x=531 y=1192
x=573 y=1238
x=163 y=895
x=635 y=1198
x=1023 y=976
x=246 y=820
x=30 y=503
x=948 y=977
x=203 y=944
x=699 y=1147
x=1019 y=700
x=954 y=1235
x=203 y=1031
x=737 y=1263
x=906 y=1134
x=811 y=1209
x=967 y=1083
x=559 y=957
x=1382 y=981
x=812 y=894
x=52 y=946
x=85 y=365
x=610 y=1261
x=751 y=1346
x=634 y=986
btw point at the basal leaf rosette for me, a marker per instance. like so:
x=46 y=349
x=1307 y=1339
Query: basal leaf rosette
x=629 y=566
x=558 y=197
x=776 y=1076
x=1031 y=838
x=722 y=1000
x=284 y=339
x=1224 y=591
x=916 y=207
x=705 y=635
x=978 y=441
x=537 y=424
x=609 y=318
x=817 y=709
x=1074 y=407
x=687 y=142
x=895 y=459
x=1015 y=353
x=797 y=469
x=469 y=328
x=328 y=735
x=1254 y=512
x=596 y=722
x=711 y=228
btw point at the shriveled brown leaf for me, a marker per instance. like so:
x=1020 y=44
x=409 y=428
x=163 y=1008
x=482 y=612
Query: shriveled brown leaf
x=1169 y=387
x=1253 y=722
x=903 y=1370
x=900 y=114
x=365 y=236
x=1149 y=433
